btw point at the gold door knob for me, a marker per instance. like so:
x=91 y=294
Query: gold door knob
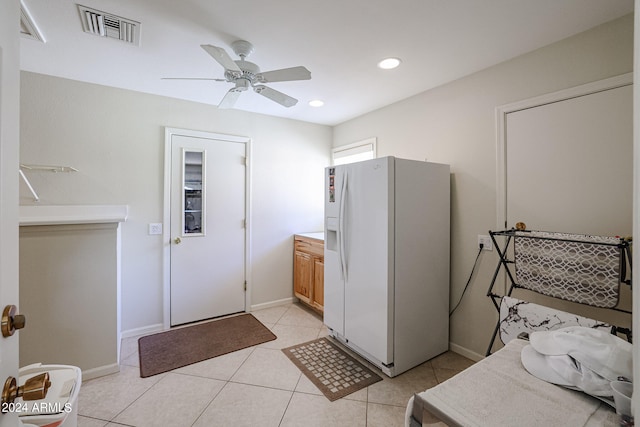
x=177 y=240
x=35 y=388
x=11 y=321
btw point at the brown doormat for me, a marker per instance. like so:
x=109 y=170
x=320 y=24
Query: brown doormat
x=176 y=348
x=332 y=370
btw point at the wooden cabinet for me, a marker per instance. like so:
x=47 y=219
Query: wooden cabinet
x=303 y=275
x=308 y=270
x=318 y=283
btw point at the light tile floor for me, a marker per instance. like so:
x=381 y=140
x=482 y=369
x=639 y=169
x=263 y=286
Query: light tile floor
x=257 y=386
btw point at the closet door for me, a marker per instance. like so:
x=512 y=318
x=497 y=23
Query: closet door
x=569 y=164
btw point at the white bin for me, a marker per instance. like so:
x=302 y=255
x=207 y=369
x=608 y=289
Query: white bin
x=60 y=407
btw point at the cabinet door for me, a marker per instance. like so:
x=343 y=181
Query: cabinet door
x=303 y=275
x=318 y=283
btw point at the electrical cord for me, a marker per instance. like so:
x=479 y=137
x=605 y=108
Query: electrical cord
x=468 y=281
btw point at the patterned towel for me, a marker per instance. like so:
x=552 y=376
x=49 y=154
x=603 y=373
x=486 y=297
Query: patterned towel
x=573 y=267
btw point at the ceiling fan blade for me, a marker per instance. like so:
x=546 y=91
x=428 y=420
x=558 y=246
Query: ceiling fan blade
x=230 y=99
x=276 y=96
x=285 y=74
x=192 y=78
x=223 y=58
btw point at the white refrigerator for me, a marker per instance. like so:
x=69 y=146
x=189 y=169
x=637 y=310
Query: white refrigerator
x=386 y=260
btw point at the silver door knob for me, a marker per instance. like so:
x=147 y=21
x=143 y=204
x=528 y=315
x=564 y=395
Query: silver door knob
x=177 y=240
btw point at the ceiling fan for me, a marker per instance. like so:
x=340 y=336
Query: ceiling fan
x=244 y=74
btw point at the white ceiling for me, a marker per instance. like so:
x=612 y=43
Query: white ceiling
x=339 y=41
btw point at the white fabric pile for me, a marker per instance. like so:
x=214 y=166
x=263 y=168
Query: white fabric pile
x=579 y=358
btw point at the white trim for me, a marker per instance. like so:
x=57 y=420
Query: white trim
x=501 y=121
x=476 y=357
x=118 y=290
x=100 y=371
x=145 y=330
x=166 y=234
x=166 y=231
x=248 y=226
x=355 y=148
x=275 y=303
x=33 y=29
x=635 y=322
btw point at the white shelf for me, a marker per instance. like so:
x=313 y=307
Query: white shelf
x=72 y=214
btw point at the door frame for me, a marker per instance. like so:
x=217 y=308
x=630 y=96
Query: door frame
x=166 y=229
x=501 y=113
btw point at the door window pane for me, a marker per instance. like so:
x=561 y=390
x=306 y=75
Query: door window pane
x=193 y=196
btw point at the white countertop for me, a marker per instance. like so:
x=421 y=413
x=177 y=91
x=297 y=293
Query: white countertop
x=71 y=214
x=315 y=235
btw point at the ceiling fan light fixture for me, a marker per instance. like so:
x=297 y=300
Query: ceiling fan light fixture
x=244 y=75
x=389 y=63
x=316 y=103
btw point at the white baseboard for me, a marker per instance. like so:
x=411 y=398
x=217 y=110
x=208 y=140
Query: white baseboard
x=275 y=303
x=476 y=357
x=158 y=327
x=100 y=371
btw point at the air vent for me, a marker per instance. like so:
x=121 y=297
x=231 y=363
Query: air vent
x=108 y=25
x=28 y=27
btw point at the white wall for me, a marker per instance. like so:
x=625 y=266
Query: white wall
x=73 y=318
x=116 y=140
x=455 y=124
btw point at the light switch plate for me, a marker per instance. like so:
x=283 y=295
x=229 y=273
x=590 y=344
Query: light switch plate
x=155 y=228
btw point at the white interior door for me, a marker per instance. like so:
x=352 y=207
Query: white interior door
x=9 y=158
x=207 y=227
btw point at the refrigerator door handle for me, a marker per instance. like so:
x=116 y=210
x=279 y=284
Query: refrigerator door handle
x=343 y=197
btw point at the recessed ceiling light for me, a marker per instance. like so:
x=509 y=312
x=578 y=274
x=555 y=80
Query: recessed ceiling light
x=389 y=63
x=316 y=103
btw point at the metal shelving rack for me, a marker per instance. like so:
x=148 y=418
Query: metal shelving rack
x=573 y=267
